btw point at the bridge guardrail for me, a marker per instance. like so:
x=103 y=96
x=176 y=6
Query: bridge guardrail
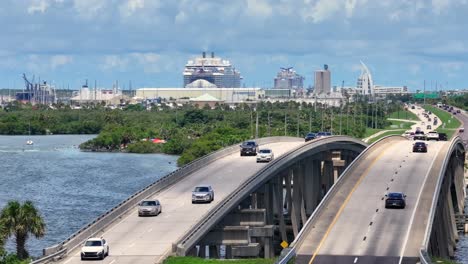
x=202 y=227
x=423 y=254
x=114 y=213
x=298 y=240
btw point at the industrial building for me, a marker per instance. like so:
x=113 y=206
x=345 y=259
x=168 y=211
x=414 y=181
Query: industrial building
x=228 y=95
x=220 y=73
x=98 y=95
x=378 y=89
x=287 y=78
x=322 y=82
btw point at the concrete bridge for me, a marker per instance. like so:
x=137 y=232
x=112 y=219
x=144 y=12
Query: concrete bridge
x=240 y=193
x=293 y=199
x=351 y=225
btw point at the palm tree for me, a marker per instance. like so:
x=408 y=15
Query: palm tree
x=21 y=220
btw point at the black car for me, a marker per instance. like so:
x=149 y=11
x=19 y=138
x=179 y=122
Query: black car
x=419 y=147
x=249 y=148
x=309 y=137
x=443 y=136
x=395 y=200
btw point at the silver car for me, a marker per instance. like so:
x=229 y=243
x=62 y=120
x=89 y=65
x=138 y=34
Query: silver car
x=265 y=155
x=203 y=193
x=149 y=207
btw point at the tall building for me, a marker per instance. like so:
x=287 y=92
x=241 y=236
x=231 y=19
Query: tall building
x=322 y=83
x=213 y=70
x=365 y=84
x=287 y=78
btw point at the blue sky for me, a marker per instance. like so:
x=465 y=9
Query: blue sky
x=148 y=42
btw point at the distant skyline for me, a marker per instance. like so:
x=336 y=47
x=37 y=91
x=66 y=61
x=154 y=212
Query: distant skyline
x=148 y=42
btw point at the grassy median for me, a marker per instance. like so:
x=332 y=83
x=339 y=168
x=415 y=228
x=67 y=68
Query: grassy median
x=404 y=114
x=445 y=117
x=388 y=133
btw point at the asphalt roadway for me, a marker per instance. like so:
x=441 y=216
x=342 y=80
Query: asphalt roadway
x=136 y=239
x=363 y=231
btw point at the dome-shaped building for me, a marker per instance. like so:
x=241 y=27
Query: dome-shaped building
x=200 y=83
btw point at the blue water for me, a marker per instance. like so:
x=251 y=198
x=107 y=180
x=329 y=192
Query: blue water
x=70 y=187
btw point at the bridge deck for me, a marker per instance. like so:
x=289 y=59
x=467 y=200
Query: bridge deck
x=136 y=239
x=361 y=230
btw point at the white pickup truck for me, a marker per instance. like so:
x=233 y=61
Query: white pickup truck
x=432 y=136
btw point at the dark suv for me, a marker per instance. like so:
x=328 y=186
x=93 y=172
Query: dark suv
x=443 y=136
x=249 y=148
x=309 y=137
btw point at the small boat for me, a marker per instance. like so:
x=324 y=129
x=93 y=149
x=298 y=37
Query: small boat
x=29 y=142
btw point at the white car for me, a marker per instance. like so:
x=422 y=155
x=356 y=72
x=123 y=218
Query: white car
x=149 y=207
x=203 y=193
x=433 y=135
x=95 y=248
x=265 y=155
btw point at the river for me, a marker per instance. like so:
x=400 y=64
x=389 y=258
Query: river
x=69 y=187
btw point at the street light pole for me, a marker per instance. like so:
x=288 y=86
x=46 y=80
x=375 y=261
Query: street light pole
x=256 y=124
x=269 y=125
x=285 y=124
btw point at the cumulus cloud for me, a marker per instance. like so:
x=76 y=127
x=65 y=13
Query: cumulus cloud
x=89 y=8
x=131 y=6
x=259 y=8
x=60 y=60
x=39 y=6
x=114 y=62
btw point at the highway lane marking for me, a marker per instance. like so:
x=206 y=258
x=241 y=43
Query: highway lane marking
x=355 y=260
x=344 y=204
x=402 y=252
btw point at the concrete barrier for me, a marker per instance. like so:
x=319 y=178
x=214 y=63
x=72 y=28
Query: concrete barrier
x=111 y=215
x=423 y=254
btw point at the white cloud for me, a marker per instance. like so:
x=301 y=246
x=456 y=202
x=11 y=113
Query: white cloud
x=414 y=68
x=114 y=62
x=181 y=17
x=39 y=6
x=131 y=6
x=89 y=8
x=59 y=60
x=259 y=8
x=440 y=5
x=149 y=61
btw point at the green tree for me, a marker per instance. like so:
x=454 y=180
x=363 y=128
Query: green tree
x=21 y=220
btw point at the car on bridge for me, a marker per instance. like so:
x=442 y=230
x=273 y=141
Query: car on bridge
x=395 y=200
x=265 y=155
x=419 y=134
x=419 y=147
x=323 y=134
x=433 y=135
x=248 y=148
x=443 y=136
x=310 y=136
x=202 y=193
x=95 y=248
x=149 y=207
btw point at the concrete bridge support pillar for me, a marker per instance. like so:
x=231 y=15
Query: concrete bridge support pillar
x=268 y=202
x=311 y=187
x=296 y=201
x=328 y=173
x=278 y=201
